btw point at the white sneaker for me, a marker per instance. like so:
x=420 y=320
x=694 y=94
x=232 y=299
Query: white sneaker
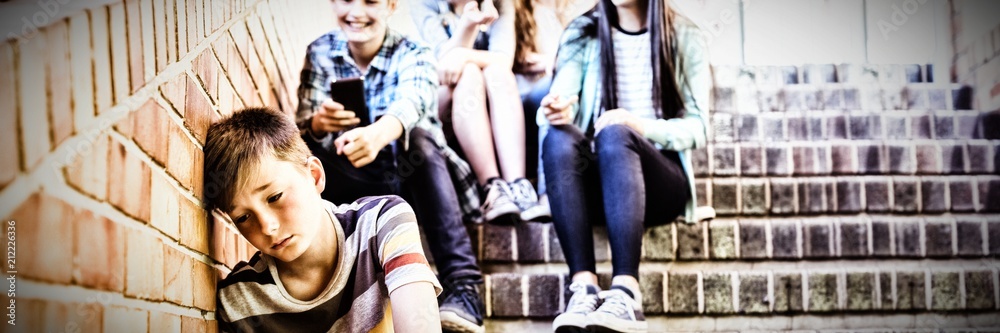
x=527 y=201
x=582 y=303
x=619 y=312
x=498 y=202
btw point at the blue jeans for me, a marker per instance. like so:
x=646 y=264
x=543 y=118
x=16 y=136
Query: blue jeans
x=624 y=182
x=419 y=175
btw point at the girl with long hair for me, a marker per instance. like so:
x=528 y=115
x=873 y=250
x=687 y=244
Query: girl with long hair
x=628 y=102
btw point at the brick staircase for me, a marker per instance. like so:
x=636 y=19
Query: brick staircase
x=849 y=197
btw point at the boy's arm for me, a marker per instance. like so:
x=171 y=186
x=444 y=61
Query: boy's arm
x=312 y=88
x=416 y=91
x=415 y=309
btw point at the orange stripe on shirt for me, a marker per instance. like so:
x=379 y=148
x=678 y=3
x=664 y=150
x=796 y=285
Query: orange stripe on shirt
x=403 y=260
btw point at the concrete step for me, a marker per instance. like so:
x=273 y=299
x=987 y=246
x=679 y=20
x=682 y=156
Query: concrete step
x=762 y=239
x=966 y=286
x=802 y=323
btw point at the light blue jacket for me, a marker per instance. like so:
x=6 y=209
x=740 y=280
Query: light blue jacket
x=578 y=74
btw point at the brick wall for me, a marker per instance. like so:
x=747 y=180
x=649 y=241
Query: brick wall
x=848 y=197
x=104 y=116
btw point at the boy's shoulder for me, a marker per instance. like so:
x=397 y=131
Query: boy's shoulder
x=254 y=271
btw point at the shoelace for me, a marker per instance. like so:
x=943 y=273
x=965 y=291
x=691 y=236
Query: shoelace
x=467 y=294
x=616 y=304
x=523 y=193
x=581 y=301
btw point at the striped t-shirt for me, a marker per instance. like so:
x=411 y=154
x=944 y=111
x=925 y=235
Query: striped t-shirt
x=379 y=251
x=634 y=72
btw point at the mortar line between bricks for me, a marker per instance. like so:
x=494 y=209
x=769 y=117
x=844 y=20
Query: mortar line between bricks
x=17 y=192
x=107 y=118
x=65 y=192
x=133 y=148
x=985 y=231
x=996 y=289
x=928 y=290
x=32 y=289
x=962 y=296
x=880 y=264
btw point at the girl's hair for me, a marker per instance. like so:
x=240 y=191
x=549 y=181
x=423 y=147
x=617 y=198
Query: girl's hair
x=524 y=31
x=665 y=60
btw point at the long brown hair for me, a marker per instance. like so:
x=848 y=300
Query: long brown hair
x=525 y=30
x=660 y=20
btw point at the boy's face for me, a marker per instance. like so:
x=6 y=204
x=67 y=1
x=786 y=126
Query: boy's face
x=279 y=210
x=363 y=20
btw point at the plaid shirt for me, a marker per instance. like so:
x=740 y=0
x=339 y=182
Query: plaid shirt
x=401 y=81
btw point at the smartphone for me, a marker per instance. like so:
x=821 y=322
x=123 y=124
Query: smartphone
x=351 y=93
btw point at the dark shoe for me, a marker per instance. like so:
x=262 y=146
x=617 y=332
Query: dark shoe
x=462 y=308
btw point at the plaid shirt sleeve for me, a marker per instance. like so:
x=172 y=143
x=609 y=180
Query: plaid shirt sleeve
x=416 y=91
x=312 y=85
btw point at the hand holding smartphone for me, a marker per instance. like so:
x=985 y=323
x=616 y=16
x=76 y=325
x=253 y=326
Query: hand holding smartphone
x=350 y=93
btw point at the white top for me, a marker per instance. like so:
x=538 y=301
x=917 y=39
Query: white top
x=634 y=72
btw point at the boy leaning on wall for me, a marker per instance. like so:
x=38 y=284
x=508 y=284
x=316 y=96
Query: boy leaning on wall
x=320 y=267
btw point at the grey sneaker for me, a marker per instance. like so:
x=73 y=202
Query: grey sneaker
x=619 y=312
x=581 y=304
x=462 y=308
x=498 y=202
x=527 y=201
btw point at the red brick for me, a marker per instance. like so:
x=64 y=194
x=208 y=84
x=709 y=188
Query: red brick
x=193 y=38
x=120 y=61
x=11 y=163
x=70 y=317
x=164 y=201
x=103 y=70
x=204 y=286
x=149 y=37
x=241 y=39
x=181 y=25
x=208 y=71
x=218 y=240
x=151 y=125
x=88 y=172
x=122 y=319
x=194 y=226
x=34 y=107
x=177 y=277
x=160 y=322
x=228 y=100
x=159 y=15
x=173 y=91
x=58 y=73
x=81 y=67
x=45 y=255
x=197 y=172
x=99 y=260
x=199 y=16
x=144 y=266
x=198 y=109
x=129 y=183
x=192 y=324
x=136 y=52
x=169 y=26
x=124 y=126
x=180 y=165
x=31 y=313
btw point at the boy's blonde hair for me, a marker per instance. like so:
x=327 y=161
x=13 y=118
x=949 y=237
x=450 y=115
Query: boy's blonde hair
x=236 y=145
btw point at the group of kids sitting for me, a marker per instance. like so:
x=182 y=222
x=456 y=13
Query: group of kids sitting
x=335 y=204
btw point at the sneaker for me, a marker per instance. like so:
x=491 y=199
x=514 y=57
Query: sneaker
x=462 y=309
x=498 y=202
x=582 y=303
x=527 y=201
x=619 y=312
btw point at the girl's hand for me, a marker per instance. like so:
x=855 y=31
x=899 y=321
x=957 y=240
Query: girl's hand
x=557 y=109
x=450 y=66
x=619 y=117
x=472 y=15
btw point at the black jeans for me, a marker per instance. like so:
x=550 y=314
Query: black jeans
x=419 y=175
x=625 y=182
